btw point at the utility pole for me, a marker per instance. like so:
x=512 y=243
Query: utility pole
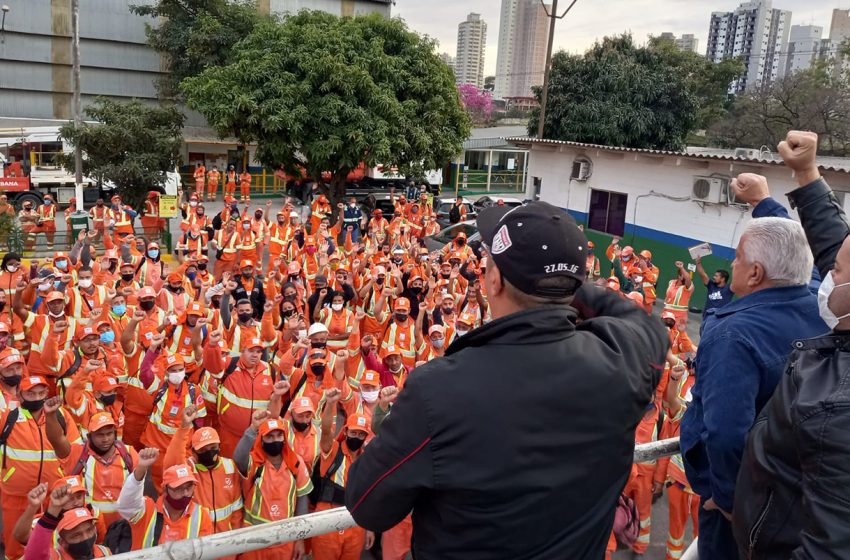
x=78 y=109
x=553 y=18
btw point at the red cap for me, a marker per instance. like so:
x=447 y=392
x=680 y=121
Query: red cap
x=28 y=383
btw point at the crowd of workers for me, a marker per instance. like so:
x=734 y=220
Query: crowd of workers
x=144 y=403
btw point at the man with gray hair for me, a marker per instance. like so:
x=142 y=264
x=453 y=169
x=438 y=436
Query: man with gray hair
x=742 y=354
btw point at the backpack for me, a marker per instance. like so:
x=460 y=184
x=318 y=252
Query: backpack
x=120 y=448
x=11 y=420
x=626 y=521
x=454 y=214
x=119 y=535
x=324 y=489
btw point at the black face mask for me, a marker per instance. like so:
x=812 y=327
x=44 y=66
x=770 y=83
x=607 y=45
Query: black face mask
x=461 y=242
x=301 y=426
x=400 y=317
x=289 y=314
x=445 y=276
x=379 y=280
x=12 y=380
x=107 y=400
x=32 y=406
x=83 y=550
x=2 y=306
x=258 y=215
x=146 y=305
x=318 y=369
x=202 y=266
x=208 y=458
x=175 y=289
x=273 y=449
x=317 y=344
x=127 y=277
x=245 y=317
x=416 y=290
x=669 y=325
x=447 y=310
x=353 y=443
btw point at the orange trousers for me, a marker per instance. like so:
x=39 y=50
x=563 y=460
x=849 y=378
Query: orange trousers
x=682 y=505
x=134 y=426
x=340 y=545
x=279 y=552
x=221 y=266
x=212 y=189
x=13 y=508
x=199 y=187
x=395 y=543
x=229 y=441
x=245 y=190
x=229 y=189
x=639 y=488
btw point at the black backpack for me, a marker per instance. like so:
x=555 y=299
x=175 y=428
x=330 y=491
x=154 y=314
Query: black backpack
x=119 y=535
x=11 y=420
x=454 y=214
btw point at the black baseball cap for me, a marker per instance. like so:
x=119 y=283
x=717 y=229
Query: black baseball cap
x=532 y=242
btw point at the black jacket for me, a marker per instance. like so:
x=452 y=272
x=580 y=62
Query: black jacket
x=518 y=443
x=792 y=497
x=257 y=295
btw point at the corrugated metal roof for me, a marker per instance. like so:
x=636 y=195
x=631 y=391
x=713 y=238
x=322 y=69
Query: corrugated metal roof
x=838 y=165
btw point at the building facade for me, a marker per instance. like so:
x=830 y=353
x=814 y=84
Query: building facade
x=804 y=46
x=523 y=39
x=335 y=7
x=758 y=34
x=687 y=42
x=471 y=45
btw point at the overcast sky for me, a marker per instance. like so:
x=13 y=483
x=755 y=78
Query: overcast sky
x=592 y=19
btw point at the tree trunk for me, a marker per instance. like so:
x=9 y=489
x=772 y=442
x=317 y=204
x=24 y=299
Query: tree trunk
x=337 y=191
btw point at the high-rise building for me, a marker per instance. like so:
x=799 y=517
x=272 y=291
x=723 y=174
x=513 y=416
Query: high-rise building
x=448 y=59
x=758 y=34
x=688 y=42
x=523 y=38
x=831 y=47
x=471 y=42
x=804 y=47
x=839 y=30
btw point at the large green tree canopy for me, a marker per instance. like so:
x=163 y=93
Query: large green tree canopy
x=327 y=93
x=618 y=94
x=133 y=145
x=195 y=34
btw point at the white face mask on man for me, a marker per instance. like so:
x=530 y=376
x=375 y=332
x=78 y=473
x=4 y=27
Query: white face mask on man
x=85 y=282
x=370 y=396
x=176 y=377
x=827 y=286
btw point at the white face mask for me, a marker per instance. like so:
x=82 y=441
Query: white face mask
x=370 y=396
x=438 y=343
x=460 y=332
x=176 y=377
x=45 y=287
x=336 y=306
x=827 y=286
x=85 y=282
x=12 y=268
x=56 y=315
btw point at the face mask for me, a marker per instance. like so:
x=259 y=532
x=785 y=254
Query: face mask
x=289 y=313
x=379 y=280
x=2 y=306
x=107 y=337
x=199 y=213
x=273 y=448
x=127 y=277
x=46 y=287
x=174 y=289
x=147 y=305
x=82 y=550
x=176 y=377
x=301 y=426
x=353 y=443
x=85 y=282
x=416 y=290
x=108 y=400
x=401 y=318
x=61 y=264
x=208 y=458
x=317 y=344
x=827 y=286
x=336 y=306
x=32 y=406
x=153 y=254
x=311 y=250
x=193 y=204
x=12 y=268
x=179 y=504
x=370 y=396
x=461 y=242
x=258 y=215
x=244 y=317
x=56 y=315
x=318 y=369
x=439 y=343
x=461 y=332
x=191 y=275
x=12 y=380
x=48 y=202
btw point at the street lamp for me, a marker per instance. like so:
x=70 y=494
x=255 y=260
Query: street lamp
x=553 y=17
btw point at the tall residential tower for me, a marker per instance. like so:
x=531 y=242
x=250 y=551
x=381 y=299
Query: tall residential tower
x=523 y=38
x=471 y=42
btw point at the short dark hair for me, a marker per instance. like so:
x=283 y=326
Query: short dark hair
x=530 y=301
x=723 y=274
x=243 y=301
x=85 y=269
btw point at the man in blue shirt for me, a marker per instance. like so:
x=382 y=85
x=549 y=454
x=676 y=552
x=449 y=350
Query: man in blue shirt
x=744 y=347
x=719 y=292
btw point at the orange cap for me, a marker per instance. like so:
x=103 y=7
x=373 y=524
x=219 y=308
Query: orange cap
x=294 y=268
x=72 y=518
x=271 y=425
x=668 y=315
x=467 y=317
x=637 y=297
x=437 y=329
x=203 y=437
x=104 y=383
x=370 y=377
x=28 y=383
x=195 y=309
x=54 y=296
x=390 y=351
x=402 y=304
x=246 y=262
x=111 y=254
x=75 y=483
x=303 y=404
x=178 y=475
x=100 y=420
x=84 y=331
x=254 y=343
x=358 y=422
x=628 y=251
x=590 y=245
x=175 y=277
x=146 y=292
x=646 y=254
x=174 y=360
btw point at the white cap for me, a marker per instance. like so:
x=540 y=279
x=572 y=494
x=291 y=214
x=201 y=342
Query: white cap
x=398 y=251
x=317 y=328
x=294 y=214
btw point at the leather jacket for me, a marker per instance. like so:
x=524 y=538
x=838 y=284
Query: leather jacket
x=792 y=497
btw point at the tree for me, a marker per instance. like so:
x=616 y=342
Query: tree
x=195 y=34
x=709 y=81
x=478 y=103
x=327 y=93
x=618 y=94
x=133 y=146
x=817 y=99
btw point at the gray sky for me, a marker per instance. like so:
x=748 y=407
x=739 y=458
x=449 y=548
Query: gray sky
x=592 y=19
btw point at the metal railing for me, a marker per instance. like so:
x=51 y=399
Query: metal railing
x=263 y=536
x=263 y=183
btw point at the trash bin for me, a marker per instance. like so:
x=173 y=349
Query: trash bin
x=79 y=222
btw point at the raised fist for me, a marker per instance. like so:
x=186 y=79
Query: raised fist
x=60 y=326
x=148 y=456
x=388 y=395
x=36 y=496
x=281 y=388
x=139 y=315
x=332 y=396
x=799 y=151
x=52 y=404
x=214 y=337
x=156 y=340
x=189 y=415
x=751 y=188
x=258 y=418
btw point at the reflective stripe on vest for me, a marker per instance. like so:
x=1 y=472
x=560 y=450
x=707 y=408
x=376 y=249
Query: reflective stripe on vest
x=255 y=506
x=156 y=417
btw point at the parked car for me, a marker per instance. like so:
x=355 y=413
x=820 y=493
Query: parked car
x=444 y=206
x=445 y=236
x=493 y=200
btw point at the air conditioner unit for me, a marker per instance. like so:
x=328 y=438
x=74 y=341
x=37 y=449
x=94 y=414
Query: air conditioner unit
x=708 y=189
x=747 y=153
x=581 y=170
x=728 y=196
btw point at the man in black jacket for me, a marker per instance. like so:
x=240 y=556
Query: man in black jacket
x=792 y=498
x=519 y=441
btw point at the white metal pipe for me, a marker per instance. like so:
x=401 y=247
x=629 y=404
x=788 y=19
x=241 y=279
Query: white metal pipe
x=270 y=534
x=691 y=553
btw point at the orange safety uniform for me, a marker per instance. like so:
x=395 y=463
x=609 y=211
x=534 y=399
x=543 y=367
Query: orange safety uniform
x=639 y=486
x=195 y=522
x=306 y=444
x=230 y=183
x=245 y=185
x=338 y=545
x=151 y=222
x=123 y=221
x=247 y=245
x=213 y=179
x=403 y=338
x=321 y=208
x=81 y=304
x=39 y=328
x=677 y=299
x=199 y=175
x=226 y=243
x=99 y=216
x=338 y=323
